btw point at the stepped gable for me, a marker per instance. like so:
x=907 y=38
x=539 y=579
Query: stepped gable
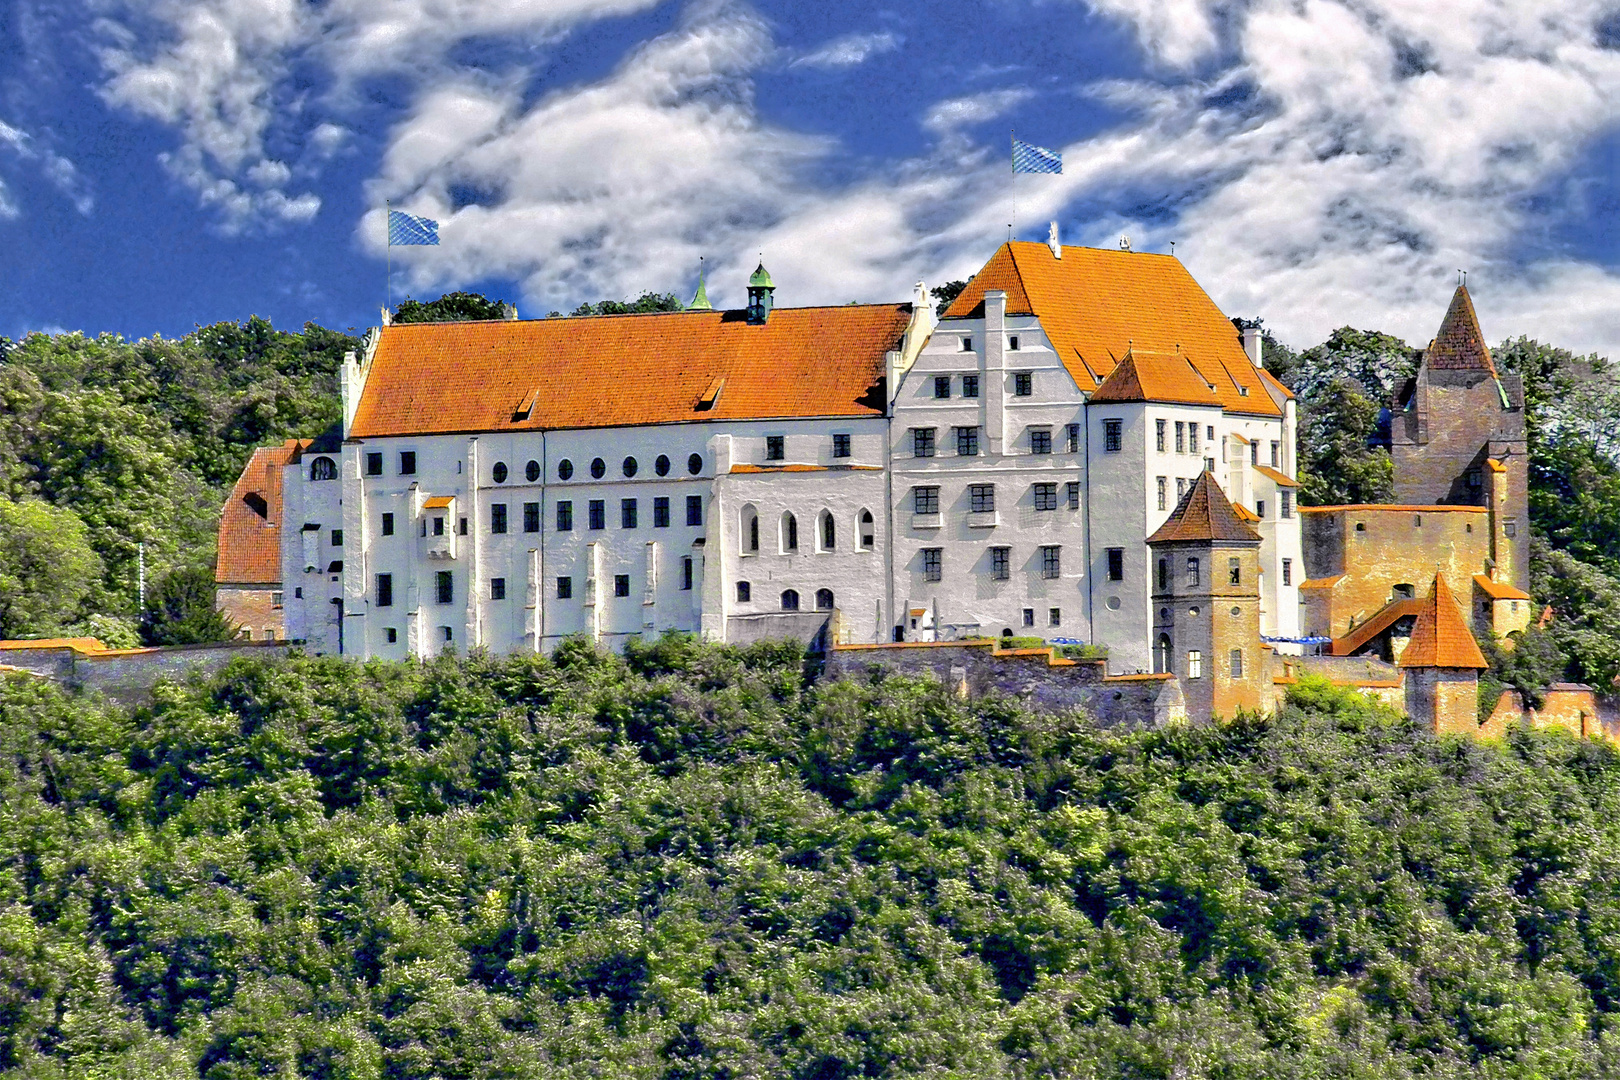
x=1440 y=637
x=1097 y=305
x=625 y=370
x=1204 y=515
x=250 y=522
x=1459 y=346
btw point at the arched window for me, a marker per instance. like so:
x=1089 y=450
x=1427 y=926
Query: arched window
x=790 y=600
x=532 y=471
x=1162 y=654
x=1234 y=572
x=829 y=531
x=868 y=530
x=323 y=468
x=790 y=533
x=749 y=522
x=1164 y=574
x=824 y=600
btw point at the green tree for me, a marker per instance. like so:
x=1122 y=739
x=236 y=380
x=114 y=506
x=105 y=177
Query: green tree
x=47 y=569
x=451 y=307
x=180 y=610
x=944 y=294
x=1338 y=461
x=646 y=303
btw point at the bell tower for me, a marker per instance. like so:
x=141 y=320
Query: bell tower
x=760 y=290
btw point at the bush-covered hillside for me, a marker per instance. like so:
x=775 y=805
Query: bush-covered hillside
x=683 y=864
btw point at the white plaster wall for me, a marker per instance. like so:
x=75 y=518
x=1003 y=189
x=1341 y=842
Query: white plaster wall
x=308 y=594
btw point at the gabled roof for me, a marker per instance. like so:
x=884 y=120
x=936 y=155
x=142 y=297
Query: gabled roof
x=1153 y=376
x=1204 y=514
x=1459 y=346
x=614 y=370
x=1097 y=305
x=250 y=522
x=1440 y=637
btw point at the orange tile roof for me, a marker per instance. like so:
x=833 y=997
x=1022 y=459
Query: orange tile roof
x=250 y=522
x=1382 y=620
x=438 y=502
x=1405 y=508
x=1440 y=637
x=1151 y=376
x=612 y=370
x=1459 y=346
x=1204 y=514
x=1498 y=591
x=80 y=644
x=1322 y=582
x=1245 y=513
x=1276 y=476
x=1096 y=305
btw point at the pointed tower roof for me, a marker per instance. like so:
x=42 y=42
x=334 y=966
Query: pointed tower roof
x=1459 y=346
x=700 y=299
x=1440 y=636
x=1205 y=514
x=761 y=278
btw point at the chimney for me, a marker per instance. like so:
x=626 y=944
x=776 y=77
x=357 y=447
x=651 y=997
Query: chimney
x=1249 y=332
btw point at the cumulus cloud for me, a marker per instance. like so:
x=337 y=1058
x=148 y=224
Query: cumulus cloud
x=849 y=50
x=59 y=171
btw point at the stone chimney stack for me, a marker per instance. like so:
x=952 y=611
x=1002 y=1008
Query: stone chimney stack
x=1249 y=332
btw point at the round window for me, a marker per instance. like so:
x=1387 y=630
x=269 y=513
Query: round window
x=630 y=466
x=661 y=466
x=694 y=464
x=532 y=471
x=565 y=469
x=499 y=472
x=1164 y=613
x=598 y=467
x=1193 y=612
x=1113 y=603
x=1236 y=612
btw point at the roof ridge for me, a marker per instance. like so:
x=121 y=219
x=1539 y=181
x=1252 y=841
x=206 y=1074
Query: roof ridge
x=1440 y=637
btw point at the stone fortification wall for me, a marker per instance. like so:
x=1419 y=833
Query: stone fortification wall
x=128 y=675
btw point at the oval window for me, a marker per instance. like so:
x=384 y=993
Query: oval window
x=565 y=469
x=630 y=466
x=598 y=468
x=532 y=471
x=499 y=472
x=661 y=466
x=694 y=464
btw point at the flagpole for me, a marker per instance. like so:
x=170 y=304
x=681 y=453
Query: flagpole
x=388 y=209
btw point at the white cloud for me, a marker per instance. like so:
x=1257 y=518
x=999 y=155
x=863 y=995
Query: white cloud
x=58 y=170
x=959 y=112
x=849 y=50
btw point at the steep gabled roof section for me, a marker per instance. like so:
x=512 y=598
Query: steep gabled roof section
x=1440 y=637
x=1459 y=346
x=618 y=370
x=1096 y=305
x=1204 y=514
x=1153 y=376
x=250 y=522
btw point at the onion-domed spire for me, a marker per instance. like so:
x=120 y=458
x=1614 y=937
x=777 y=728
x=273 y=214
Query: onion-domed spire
x=760 y=290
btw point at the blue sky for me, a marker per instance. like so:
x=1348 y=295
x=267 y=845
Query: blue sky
x=165 y=163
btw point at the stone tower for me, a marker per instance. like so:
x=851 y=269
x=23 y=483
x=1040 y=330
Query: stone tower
x=1206 y=604
x=1442 y=663
x=1457 y=438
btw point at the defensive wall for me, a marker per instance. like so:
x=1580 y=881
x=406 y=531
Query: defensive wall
x=127 y=676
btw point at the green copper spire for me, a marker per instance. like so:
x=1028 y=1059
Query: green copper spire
x=700 y=300
x=761 y=278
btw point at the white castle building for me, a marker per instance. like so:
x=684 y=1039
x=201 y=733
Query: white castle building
x=993 y=469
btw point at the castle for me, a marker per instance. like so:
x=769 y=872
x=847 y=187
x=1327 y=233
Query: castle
x=1080 y=447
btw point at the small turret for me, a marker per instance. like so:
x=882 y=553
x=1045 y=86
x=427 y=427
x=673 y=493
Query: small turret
x=760 y=290
x=700 y=299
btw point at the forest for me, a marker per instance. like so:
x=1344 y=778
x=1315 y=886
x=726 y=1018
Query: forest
x=690 y=861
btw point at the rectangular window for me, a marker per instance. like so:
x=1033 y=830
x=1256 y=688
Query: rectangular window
x=1234 y=572
x=1510 y=528
x=388 y=524
x=686 y=573
x=1287 y=507
x=497 y=517
x=374 y=463
x=967 y=442
x=1054 y=616
x=438 y=527
x=1195 y=664
x=275 y=599
x=1045 y=496
x=1073 y=431
x=1158 y=434
x=1072 y=493
x=407 y=463
x=694 y=510
x=1209 y=464
x=1275 y=446
x=1163 y=484
x=1254 y=452
x=1192 y=439
x=1116 y=564
x=461 y=526
x=385 y=590
x=840 y=445
x=598 y=513
x=1012 y=343
x=565 y=516
x=531 y=517
x=393 y=635
x=932 y=563
x=448 y=633
x=337 y=537
x=1260 y=509
x=565 y=588
x=1000 y=563
x=1237 y=663
x=1029 y=616
x=1023 y=384
x=982 y=498
x=1181 y=437
x=621 y=584
x=922 y=442
x=661 y=511
x=446 y=587
x=925 y=500
x=1288 y=571
x=1040 y=441
x=745 y=592
x=497 y=588
x=1051 y=561
x=627 y=513
x=775 y=447
x=942 y=386
x=967 y=344
x=970 y=386
x=1181 y=487
x=1112 y=440
x=1192 y=573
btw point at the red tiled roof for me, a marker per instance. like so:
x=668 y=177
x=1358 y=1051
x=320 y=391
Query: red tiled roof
x=250 y=522
x=1322 y=582
x=1382 y=620
x=1497 y=590
x=1440 y=637
x=1276 y=476
x=613 y=370
x=1096 y=305
x=1459 y=346
x=1151 y=376
x=80 y=644
x=1204 y=514
x=1405 y=508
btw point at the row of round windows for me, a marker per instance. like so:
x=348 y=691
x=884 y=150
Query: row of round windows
x=565 y=468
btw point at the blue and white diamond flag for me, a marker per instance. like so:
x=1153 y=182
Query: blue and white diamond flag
x=405 y=230
x=1029 y=158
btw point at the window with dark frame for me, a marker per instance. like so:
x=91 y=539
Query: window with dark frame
x=438 y=526
x=967 y=344
x=1023 y=384
x=694 y=510
x=925 y=500
x=621 y=584
x=445 y=590
x=1237 y=663
x=393 y=635
x=1073 y=431
x=385 y=590
x=461 y=526
x=1163 y=485
x=1286 y=507
x=1192 y=439
x=775 y=447
x=1113 y=440
x=1158 y=429
x=745 y=592
x=922 y=442
x=1045 y=496
x=660 y=511
x=497 y=517
x=981 y=498
x=1181 y=436
x=1288 y=571
x=1001 y=563
x=1051 y=561
x=565 y=588
x=531 y=517
x=840 y=445
x=1192 y=572
x=1234 y=571
x=598 y=513
x=565 y=516
x=388 y=524
x=1040 y=440
x=407 y=463
x=970 y=386
x=790 y=600
x=1116 y=564
x=627 y=513
x=497 y=588
x=1072 y=493
x=686 y=573
x=498 y=472
x=1029 y=616
x=374 y=463
x=1054 y=616
x=942 y=386
x=933 y=563
x=967 y=442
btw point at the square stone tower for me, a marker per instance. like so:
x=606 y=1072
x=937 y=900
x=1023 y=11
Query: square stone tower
x=1442 y=663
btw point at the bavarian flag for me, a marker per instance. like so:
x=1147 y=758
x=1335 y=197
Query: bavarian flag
x=1029 y=158
x=405 y=229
